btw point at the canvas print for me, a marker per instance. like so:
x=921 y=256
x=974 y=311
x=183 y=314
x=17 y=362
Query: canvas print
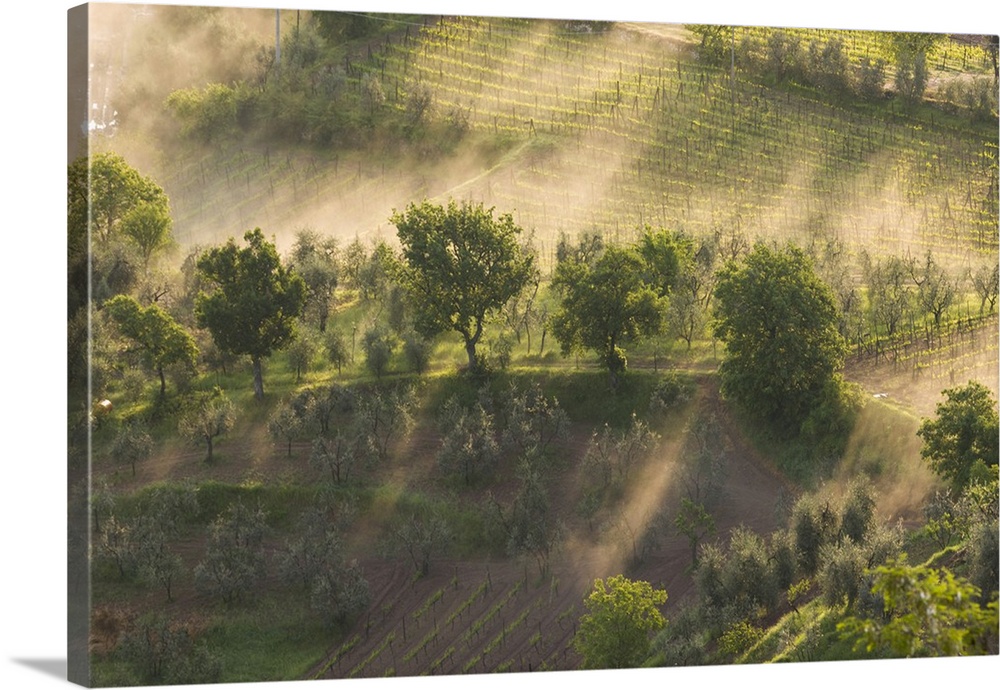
x=406 y=344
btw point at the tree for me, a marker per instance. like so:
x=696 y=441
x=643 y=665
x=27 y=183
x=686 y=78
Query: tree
x=928 y=612
x=605 y=305
x=148 y=226
x=963 y=434
x=665 y=255
x=461 y=265
x=779 y=323
x=162 y=651
x=695 y=523
x=285 y=425
x=131 y=445
x=936 y=290
x=378 y=344
x=909 y=51
x=336 y=350
x=103 y=189
x=621 y=613
x=160 y=339
x=384 y=415
x=532 y=527
x=300 y=355
x=469 y=446
x=420 y=537
x=213 y=416
x=234 y=559
x=254 y=303
x=889 y=293
x=986 y=281
x=315 y=259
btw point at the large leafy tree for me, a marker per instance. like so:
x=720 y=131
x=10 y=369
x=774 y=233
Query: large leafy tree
x=160 y=340
x=104 y=188
x=621 y=614
x=254 y=300
x=461 y=265
x=779 y=323
x=605 y=304
x=963 y=434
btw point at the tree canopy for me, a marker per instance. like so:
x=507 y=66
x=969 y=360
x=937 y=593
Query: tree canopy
x=779 y=323
x=110 y=187
x=160 y=339
x=963 y=433
x=461 y=265
x=621 y=613
x=254 y=300
x=605 y=304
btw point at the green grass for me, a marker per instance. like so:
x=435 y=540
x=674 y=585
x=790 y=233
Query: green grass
x=277 y=640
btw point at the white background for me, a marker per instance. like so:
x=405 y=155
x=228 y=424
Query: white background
x=32 y=369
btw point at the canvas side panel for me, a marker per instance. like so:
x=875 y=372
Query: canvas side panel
x=78 y=303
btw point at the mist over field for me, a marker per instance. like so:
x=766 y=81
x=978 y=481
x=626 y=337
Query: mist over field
x=571 y=131
x=535 y=306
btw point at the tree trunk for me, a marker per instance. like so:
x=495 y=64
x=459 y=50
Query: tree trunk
x=470 y=349
x=163 y=382
x=258 y=379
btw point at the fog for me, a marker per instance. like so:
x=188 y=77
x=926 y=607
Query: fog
x=569 y=132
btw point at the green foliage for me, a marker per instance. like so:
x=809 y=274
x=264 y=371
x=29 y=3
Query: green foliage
x=160 y=339
x=212 y=113
x=984 y=555
x=417 y=350
x=131 y=444
x=857 y=517
x=530 y=524
x=604 y=305
x=378 y=345
x=103 y=189
x=611 y=455
x=664 y=254
x=315 y=561
x=461 y=265
x=963 y=432
x=336 y=350
x=234 y=559
x=929 y=613
x=469 y=445
x=814 y=524
x=621 y=614
x=315 y=259
x=739 y=638
x=420 y=537
x=253 y=302
x=162 y=651
x=205 y=419
x=672 y=390
x=695 y=523
x=779 y=323
x=148 y=226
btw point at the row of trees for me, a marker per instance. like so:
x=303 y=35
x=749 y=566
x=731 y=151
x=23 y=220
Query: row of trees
x=824 y=63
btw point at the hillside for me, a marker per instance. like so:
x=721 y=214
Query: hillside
x=596 y=130
x=299 y=465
